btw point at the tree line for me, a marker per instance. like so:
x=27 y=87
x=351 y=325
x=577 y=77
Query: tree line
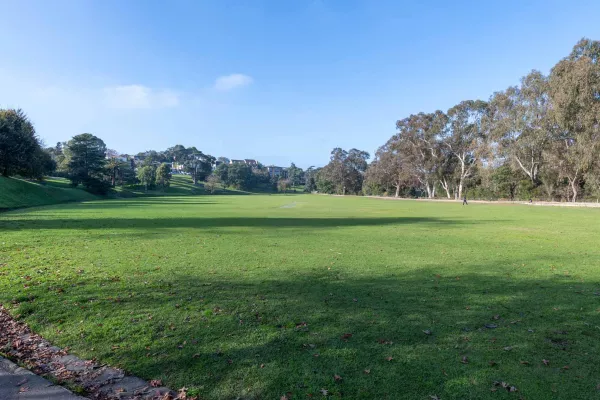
x=86 y=161
x=539 y=139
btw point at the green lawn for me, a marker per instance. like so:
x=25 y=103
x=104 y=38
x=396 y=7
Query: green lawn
x=251 y=297
x=15 y=193
x=181 y=185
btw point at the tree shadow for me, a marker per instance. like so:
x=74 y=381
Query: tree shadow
x=220 y=222
x=251 y=338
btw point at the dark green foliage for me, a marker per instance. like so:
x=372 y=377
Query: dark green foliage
x=20 y=150
x=239 y=176
x=163 y=175
x=147 y=176
x=86 y=160
x=345 y=172
x=295 y=175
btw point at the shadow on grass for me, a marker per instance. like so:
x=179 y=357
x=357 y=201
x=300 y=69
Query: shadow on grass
x=248 y=338
x=223 y=222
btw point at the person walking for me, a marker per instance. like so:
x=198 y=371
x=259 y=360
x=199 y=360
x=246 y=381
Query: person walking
x=465 y=202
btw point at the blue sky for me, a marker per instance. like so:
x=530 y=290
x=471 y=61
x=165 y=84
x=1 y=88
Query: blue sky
x=277 y=81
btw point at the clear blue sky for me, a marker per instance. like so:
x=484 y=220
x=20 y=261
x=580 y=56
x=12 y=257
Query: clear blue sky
x=274 y=80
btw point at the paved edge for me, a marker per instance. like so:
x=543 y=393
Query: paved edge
x=100 y=382
x=17 y=383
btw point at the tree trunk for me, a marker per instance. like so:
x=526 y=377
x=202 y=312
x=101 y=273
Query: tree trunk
x=460 y=188
x=573 y=183
x=397 y=191
x=446 y=187
x=430 y=191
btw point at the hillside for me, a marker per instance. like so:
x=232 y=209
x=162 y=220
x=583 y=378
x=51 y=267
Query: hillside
x=181 y=185
x=16 y=193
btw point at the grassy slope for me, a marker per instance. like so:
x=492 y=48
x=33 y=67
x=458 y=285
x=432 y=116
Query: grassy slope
x=235 y=296
x=19 y=193
x=181 y=185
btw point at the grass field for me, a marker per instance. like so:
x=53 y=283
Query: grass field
x=15 y=193
x=19 y=193
x=252 y=297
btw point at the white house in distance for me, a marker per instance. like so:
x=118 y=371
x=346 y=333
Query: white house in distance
x=274 y=171
x=252 y=163
x=177 y=168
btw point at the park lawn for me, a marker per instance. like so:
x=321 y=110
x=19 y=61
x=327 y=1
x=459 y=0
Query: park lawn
x=17 y=193
x=252 y=297
x=180 y=185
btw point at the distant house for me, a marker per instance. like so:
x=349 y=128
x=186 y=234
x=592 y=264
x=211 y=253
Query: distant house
x=236 y=162
x=177 y=168
x=120 y=158
x=252 y=163
x=277 y=172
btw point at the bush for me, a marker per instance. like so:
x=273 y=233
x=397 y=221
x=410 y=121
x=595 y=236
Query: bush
x=96 y=186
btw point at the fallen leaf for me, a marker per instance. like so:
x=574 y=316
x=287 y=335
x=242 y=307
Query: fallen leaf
x=492 y=363
x=182 y=395
x=346 y=336
x=434 y=397
x=324 y=392
x=389 y=358
x=262 y=365
x=427 y=332
x=565 y=367
x=465 y=360
x=337 y=378
x=301 y=325
x=23 y=389
x=546 y=362
x=155 y=383
x=24 y=381
x=524 y=362
x=496 y=317
x=508 y=348
x=368 y=371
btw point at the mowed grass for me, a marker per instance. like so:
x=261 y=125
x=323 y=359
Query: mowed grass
x=16 y=193
x=253 y=297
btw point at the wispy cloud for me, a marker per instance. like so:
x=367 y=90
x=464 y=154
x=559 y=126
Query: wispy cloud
x=229 y=82
x=139 y=97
